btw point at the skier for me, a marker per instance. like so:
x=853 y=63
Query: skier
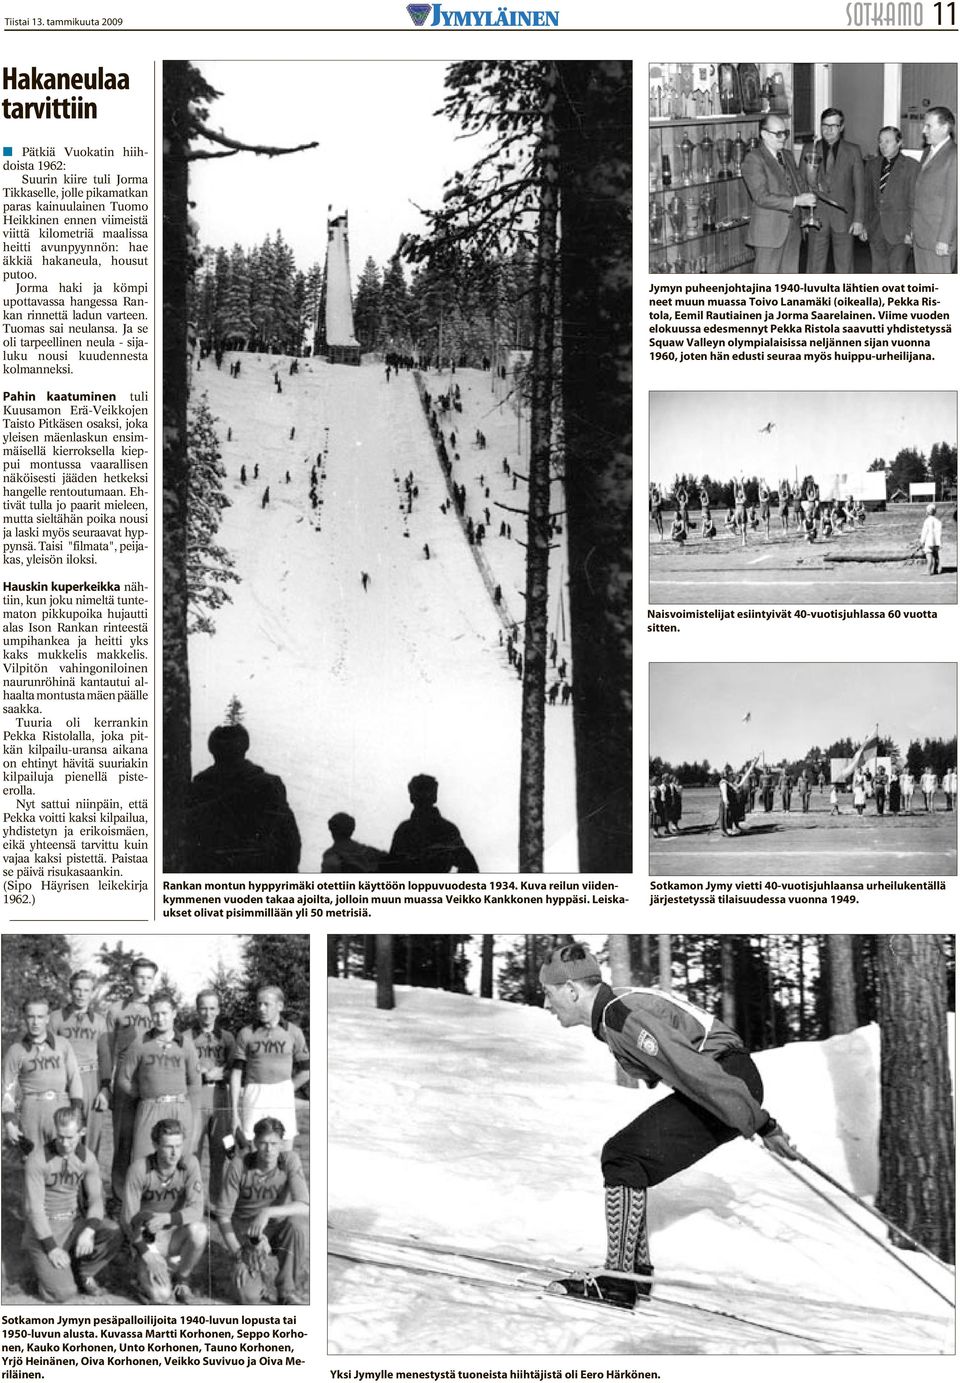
x=266 y=498
x=364 y=579
x=426 y=551
x=717 y=1093
x=243 y=475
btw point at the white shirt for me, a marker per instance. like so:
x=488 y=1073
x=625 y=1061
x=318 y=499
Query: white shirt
x=931 y=534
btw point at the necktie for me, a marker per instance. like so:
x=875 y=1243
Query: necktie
x=885 y=172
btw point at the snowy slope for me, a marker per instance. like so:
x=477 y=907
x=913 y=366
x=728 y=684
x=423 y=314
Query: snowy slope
x=347 y=693
x=480 y=1124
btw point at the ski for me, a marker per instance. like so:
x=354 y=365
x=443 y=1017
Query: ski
x=396 y=1252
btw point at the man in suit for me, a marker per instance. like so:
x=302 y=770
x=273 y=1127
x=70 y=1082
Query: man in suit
x=773 y=183
x=890 y=179
x=935 y=197
x=841 y=179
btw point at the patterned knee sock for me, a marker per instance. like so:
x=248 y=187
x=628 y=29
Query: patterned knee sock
x=626 y=1211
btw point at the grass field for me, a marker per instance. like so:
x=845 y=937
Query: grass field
x=787 y=844
x=787 y=570
x=210 y=1280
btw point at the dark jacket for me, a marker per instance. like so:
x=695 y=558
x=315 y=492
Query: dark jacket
x=237 y=821
x=427 y=844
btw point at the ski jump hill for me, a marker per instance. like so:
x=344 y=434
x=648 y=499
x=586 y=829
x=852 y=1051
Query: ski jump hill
x=340 y=344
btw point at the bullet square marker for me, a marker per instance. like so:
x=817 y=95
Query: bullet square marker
x=7 y=150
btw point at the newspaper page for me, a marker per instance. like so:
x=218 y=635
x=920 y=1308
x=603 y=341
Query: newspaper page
x=354 y=420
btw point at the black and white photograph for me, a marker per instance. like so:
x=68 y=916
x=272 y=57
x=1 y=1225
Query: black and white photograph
x=659 y=1144
x=156 y=1120
x=397 y=390
x=770 y=769
x=821 y=497
x=811 y=168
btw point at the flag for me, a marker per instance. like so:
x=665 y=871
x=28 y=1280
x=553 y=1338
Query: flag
x=746 y=772
x=867 y=750
x=745 y=720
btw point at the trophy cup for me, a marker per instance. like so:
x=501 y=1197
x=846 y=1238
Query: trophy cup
x=706 y=159
x=686 y=160
x=739 y=154
x=692 y=218
x=812 y=163
x=708 y=212
x=724 y=153
x=656 y=223
x=677 y=211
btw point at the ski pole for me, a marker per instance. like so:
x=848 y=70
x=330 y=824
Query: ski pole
x=847 y=1216
x=914 y=1243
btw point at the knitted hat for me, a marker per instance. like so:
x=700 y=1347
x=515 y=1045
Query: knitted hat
x=572 y=962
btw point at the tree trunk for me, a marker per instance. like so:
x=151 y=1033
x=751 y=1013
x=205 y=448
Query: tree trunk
x=531 y=983
x=384 y=963
x=802 y=1005
x=533 y=700
x=843 y=989
x=621 y=976
x=664 y=941
x=176 y=272
x=916 y=1187
x=409 y=959
x=486 y=966
x=594 y=128
x=333 y=956
x=728 y=998
x=646 y=960
x=369 y=956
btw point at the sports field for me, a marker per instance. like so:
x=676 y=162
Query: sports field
x=785 y=844
x=871 y=565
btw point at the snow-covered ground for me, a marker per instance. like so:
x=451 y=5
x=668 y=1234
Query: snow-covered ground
x=480 y=1123
x=347 y=693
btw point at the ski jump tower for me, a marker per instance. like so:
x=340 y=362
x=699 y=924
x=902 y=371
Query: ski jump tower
x=335 y=328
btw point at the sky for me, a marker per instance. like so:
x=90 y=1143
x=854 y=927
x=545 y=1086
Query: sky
x=717 y=433
x=380 y=151
x=189 y=959
x=697 y=709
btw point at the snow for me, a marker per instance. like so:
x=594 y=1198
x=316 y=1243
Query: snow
x=479 y=1124
x=347 y=694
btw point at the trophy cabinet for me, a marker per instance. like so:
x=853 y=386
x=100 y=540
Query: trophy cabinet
x=703 y=118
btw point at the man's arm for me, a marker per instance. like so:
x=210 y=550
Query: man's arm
x=761 y=194
x=34 y=1194
x=225 y=1206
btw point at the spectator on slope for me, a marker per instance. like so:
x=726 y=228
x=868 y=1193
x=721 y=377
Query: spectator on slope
x=237 y=817
x=346 y=855
x=426 y=843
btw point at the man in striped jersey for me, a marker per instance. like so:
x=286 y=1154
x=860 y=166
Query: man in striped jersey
x=717 y=1094
x=125 y=1023
x=159 y=1074
x=63 y=1202
x=162 y=1216
x=264 y=1209
x=40 y=1076
x=84 y=1030
x=270 y=1063
x=214 y=1045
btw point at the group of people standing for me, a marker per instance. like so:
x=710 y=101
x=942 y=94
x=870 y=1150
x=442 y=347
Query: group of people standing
x=752 y=507
x=891 y=202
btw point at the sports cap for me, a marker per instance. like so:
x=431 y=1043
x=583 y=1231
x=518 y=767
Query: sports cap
x=571 y=962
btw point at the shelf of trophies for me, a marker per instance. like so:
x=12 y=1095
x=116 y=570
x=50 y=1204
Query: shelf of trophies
x=699 y=207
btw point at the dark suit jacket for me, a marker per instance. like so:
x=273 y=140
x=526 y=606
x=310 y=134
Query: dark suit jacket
x=935 y=199
x=772 y=189
x=891 y=216
x=843 y=182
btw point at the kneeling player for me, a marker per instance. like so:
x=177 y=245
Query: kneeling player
x=65 y=1239
x=163 y=1216
x=264 y=1209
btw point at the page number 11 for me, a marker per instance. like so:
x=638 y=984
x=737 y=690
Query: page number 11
x=950 y=9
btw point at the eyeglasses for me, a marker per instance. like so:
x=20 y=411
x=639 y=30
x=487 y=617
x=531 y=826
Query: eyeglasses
x=831 y=125
x=777 y=134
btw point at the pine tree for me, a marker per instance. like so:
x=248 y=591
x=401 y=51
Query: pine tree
x=394 y=310
x=367 y=307
x=209 y=566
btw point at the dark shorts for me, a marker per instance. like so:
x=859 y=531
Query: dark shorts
x=673 y=1134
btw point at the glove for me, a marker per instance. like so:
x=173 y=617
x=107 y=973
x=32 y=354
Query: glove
x=776 y=1141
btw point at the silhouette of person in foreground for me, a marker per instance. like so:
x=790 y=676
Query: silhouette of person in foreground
x=346 y=855
x=426 y=843
x=237 y=817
